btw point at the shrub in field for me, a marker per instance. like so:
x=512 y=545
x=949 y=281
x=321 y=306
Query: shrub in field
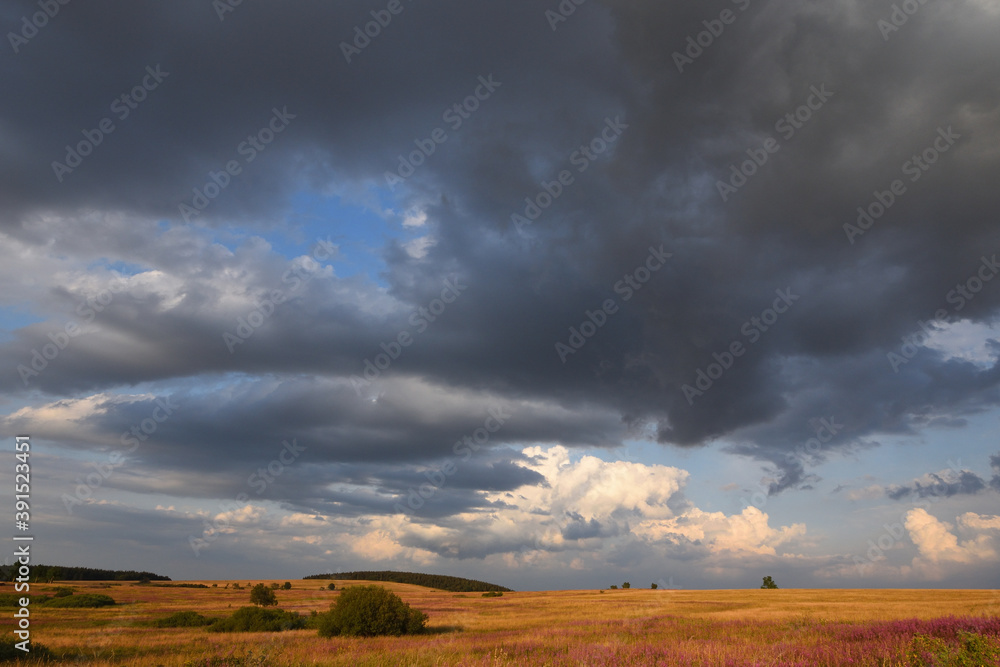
x=368 y=611
x=183 y=619
x=626 y=585
x=287 y=586
x=63 y=591
x=257 y=619
x=84 y=600
x=972 y=650
x=768 y=583
x=331 y=586
x=613 y=587
x=492 y=594
x=652 y=587
x=13 y=599
x=8 y=651
x=262 y=596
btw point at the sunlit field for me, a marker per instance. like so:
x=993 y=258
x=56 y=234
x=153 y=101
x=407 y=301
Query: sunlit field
x=613 y=627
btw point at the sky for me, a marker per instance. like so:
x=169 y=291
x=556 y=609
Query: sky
x=547 y=294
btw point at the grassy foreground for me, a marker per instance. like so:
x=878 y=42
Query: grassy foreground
x=624 y=627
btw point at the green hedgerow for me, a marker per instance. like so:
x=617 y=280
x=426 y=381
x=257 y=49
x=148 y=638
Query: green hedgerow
x=368 y=611
x=258 y=619
x=183 y=619
x=84 y=600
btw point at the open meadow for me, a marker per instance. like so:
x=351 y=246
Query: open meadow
x=587 y=627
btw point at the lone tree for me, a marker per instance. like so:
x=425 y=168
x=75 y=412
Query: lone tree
x=287 y=586
x=626 y=585
x=653 y=587
x=367 y=611
x=262 y=596
x=768 y=583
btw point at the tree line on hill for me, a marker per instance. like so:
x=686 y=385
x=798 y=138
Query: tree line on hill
x=440 y=581
x=47 y=573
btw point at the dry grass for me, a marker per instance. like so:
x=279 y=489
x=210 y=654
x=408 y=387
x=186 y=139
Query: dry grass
x=557 y=628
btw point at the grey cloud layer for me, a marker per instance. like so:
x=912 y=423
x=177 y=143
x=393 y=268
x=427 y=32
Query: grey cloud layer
x=783 y=229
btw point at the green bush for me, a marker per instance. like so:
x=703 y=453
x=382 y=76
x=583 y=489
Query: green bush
x=84 y=600
x=262 y=596
x=14 y=599
x=257 y=619
x=63 y=592
x=287 y=586
x=331 y=586
x=8 y=651
x=492 y=594
x=368 y=611
x=183 y=619
x=972 y=650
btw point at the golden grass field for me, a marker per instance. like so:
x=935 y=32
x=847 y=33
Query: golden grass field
x=622 y=627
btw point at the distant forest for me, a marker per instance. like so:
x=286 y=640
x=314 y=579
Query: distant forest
x=440 y=581
x=43 y=573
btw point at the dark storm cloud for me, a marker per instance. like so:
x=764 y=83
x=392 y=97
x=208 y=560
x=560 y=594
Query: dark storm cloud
x=964 y=482
x=780 y=232
x=224 y=77
x=246 y=425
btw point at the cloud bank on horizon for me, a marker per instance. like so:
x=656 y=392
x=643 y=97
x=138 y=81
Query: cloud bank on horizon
x=552 y=293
